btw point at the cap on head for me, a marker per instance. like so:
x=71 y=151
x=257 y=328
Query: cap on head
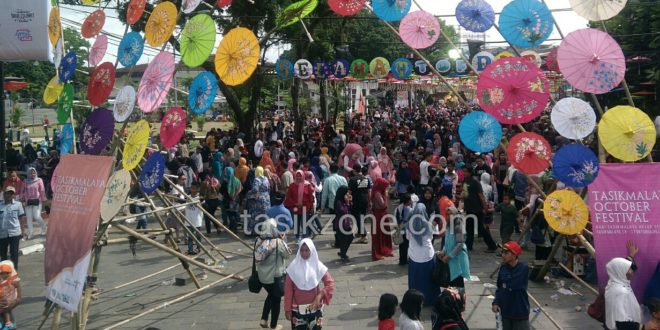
x=512 y=247
x=10 y=189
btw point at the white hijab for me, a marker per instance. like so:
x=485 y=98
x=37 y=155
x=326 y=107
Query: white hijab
x=307 y=274
x=620 y=302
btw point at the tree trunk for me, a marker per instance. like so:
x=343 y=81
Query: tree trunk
x=335 y=93
x=297 y=118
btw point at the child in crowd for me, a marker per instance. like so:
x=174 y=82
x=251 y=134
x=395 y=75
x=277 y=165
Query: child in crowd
x=195 y=217
x=386 y=309
x=10 y=292
x=509 y=217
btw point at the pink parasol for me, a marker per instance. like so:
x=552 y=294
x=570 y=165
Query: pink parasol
x=591 y=61
x=419 y=29
x=172 y=127
x=513 y=89
x=98 y=50
x=156 y=82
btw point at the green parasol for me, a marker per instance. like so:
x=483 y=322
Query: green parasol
x=65 y=104
x=295 y=12
x=197 y=40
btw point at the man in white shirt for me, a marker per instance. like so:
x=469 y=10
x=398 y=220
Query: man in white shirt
x=194 y=216
x=424 y=175
x=10 y=228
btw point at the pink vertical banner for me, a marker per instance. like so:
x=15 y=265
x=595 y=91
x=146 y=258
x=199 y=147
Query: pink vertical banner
x=624 y=203
x=74 y=216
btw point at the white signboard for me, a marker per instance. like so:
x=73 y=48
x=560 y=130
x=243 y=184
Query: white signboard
x=24 y=30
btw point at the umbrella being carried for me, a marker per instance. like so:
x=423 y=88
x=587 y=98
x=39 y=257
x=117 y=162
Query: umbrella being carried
x=346 y=7
x=513 y=90
x=419 y=29
x=237 y=56
x=566 y=212
x=197 y=40
x=130 y=49
x=156 y=82
x=152 y=173
x=626 y=133
x=573 y=118
x=597 y=10
x=116 y=191
x=136 y=145
x=172 y=127
x=529 y=152
x=65 y=104
x=391 y=10
x=124 y=103
x=161 y=23
x=96 y=132
x=591 y=61
x=98 y=50
x=101 y=82
x=526 y=23
x=475 y=15
x=93 y=24
x=202 y=92
x=480 y=132
x=575 y=165
x=53 y=90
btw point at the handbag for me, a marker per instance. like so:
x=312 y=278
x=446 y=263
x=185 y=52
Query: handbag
x=397 y=237
x=254 y=285
x=597 y=308
x=33 y=202
x=440 y=274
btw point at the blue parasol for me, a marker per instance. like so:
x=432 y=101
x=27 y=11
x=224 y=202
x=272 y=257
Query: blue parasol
x=202 y=92
x=391 y=10
x=152 y=173
x=66 y=139
x=401 y=68
x=284 y=69
x=340 y=68
x=575 y=165
x=480 y=131
x=475 y=15
x=96 y=132
x=130 y=49
x=526 y=23
x=68 y=67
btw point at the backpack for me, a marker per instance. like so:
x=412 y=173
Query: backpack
x=538 y=235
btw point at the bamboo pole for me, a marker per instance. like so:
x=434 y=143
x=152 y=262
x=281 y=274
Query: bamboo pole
x=57 y=318
x=142 y=278
x=538 y=304
x=577 y=278
x=555 y=247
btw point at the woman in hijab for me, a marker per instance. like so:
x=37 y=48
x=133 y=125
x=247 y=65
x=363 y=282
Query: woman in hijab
x=266 y=160
x=242 y=170
x=288 y=176
x=454 y=250
x=273 y=180
x=385 y=163
x=403 y=177
x=300 y=201
x=230 y=190
x=258 y=198
x=216 y=165
x=325 y=157
x=374 y=171
x=342 y=224
x=421 y=254
x=381 y=241
x=315 y=168
x=303 y=296
x=209 y=192
x=269 y=256
x=622 y=312
x=33 y=195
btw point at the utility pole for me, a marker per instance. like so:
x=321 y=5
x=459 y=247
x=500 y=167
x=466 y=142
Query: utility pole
x=3 y=138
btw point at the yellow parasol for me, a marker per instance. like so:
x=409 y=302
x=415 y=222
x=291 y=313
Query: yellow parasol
x=160 y=24
x=136 y=144
x=53 y=90
x=503 y=55
x=566 y=212
x=54 y=25
x=90 y=2
x=237 y=56
x=627 y=133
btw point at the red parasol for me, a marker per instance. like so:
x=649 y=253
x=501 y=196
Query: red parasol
x=100 y=83
x=93 y=24
x=13 y=86
x=172 y=127
x=529 y=152
x=346 y=7
x=135 y=11
x=223 y=3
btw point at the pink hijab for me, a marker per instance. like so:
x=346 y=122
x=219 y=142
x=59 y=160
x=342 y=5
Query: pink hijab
x=290 y=165
x=374 y=171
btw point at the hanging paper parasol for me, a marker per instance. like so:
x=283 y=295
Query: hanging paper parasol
x=53 y=90
x=566 y=212
x=58 y=53
x=124 y=103
x=346 y=7
x=54 y=25
x=475 y=15
x=591 y=61
x=575 y=165
x=529 y=152
x=152 y=173
x=419 y=29
x=98 y=50
x=237 y=56
x=401 y=68
x=295 y=12
x=135 y=11
x=481 y=60
x=551 y=60
x=136 y=144
x=90 y=2
x=303 y=69
x=116 y=191
x=172 y=127
x=223 y=3
x=504 y=54
x=532 y=56
x=626 y=133
x=156 y=82
x=188 y=6
x=202 y=92
x=391 y=10
x=161 y=23
x=101 y=83
x=513 y=90
x=573 y=118
x=96 y=132
x=66 y=139
x=359 y=68
x=65 y=104
x=68 y=67
x=379 y=67
x=130 y=49
x=197 y=40
x=480 y=132
x=93 y=24
x=284 y=69
x=526 y=23
x=597 y=10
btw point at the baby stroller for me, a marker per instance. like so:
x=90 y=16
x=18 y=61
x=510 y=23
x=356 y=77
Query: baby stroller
x=448 y=309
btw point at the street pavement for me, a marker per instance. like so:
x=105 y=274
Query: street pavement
x=229 y=304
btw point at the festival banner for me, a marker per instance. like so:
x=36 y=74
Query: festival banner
x=624 y=202
x=24 y=33
x=74 y=215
